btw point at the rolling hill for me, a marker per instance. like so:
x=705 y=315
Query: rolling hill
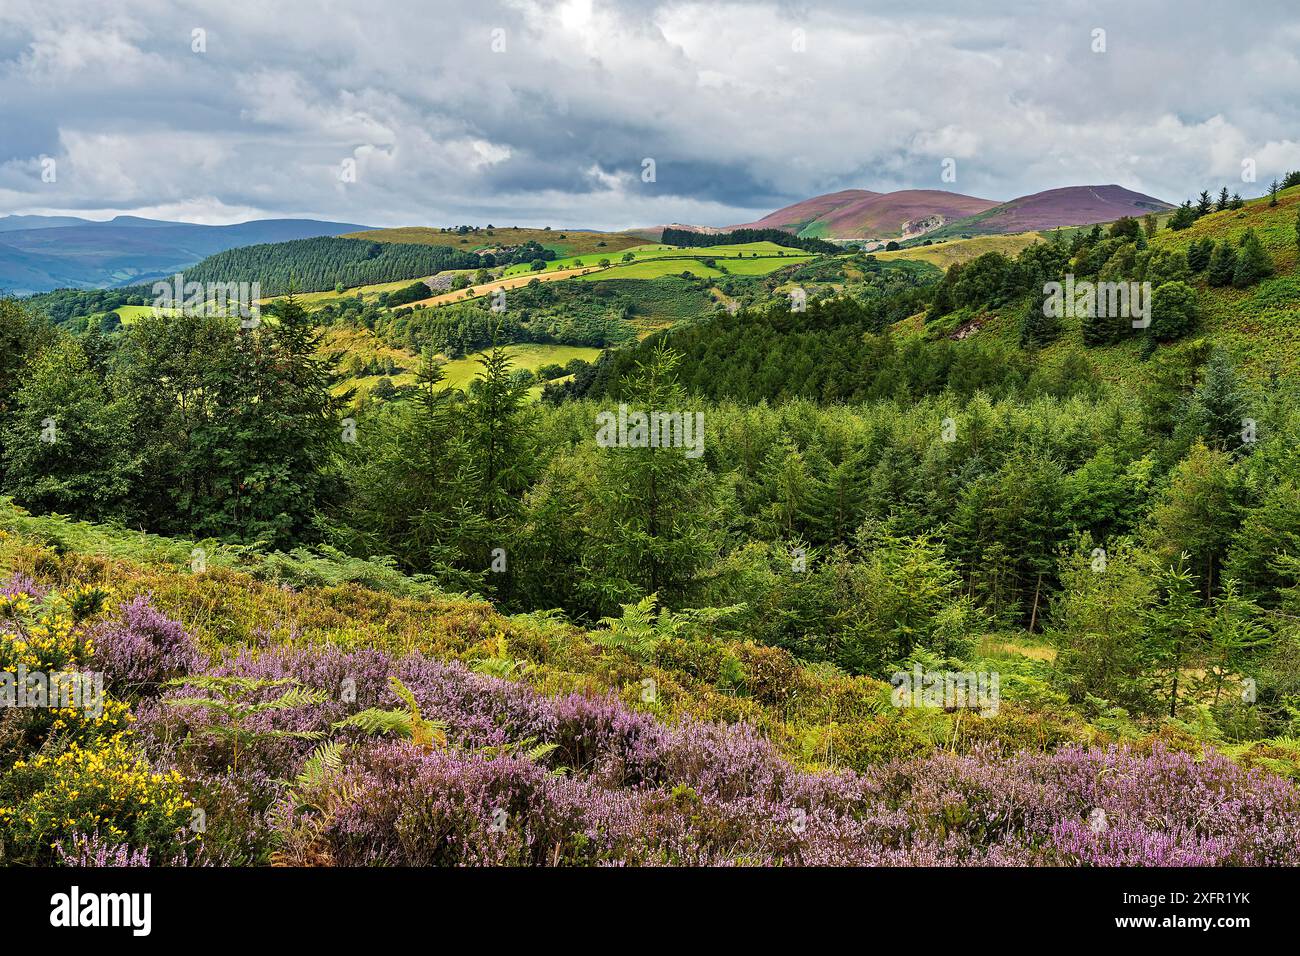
x=799 y=216
x=863 y=214
x=1054 y=208
x=860 y=214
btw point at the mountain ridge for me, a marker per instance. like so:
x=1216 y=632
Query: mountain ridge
x=903 y=214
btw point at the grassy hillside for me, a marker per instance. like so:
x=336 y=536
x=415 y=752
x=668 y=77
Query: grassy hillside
x=945 y=254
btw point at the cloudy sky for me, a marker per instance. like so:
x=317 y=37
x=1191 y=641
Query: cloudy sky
x=532 y=112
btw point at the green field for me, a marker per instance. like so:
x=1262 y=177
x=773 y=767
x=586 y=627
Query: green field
x=769 y=253
x=460 y=372
x=366 y=292
x=655 y=269
x=953 y=251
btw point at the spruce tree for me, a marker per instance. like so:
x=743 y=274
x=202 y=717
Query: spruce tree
x=1175 y=629
x=1253 y=263
x=1218 y=408
x=653 y=515
x=502 y=443
x=1036 y=327
x=1223 y=264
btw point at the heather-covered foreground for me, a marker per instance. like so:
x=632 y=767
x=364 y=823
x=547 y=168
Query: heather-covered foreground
x=316 y=755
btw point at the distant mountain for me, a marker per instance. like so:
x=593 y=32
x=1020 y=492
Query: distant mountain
x=860 y=214
x=863 y=214
x=10 y=223
x=1054 y=208
x=130 y=250
x=801 y=215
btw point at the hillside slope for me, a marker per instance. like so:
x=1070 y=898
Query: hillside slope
x=731 y=743
x=796 y=216
x=1055 y=208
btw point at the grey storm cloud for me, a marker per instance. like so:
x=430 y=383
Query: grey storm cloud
x=531 y=112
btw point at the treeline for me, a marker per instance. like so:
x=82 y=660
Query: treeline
x=838 y=350
x=63 y=305
x=324 y=263
x=689 y=238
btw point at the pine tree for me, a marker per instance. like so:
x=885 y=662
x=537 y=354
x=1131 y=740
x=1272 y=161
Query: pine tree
x=1175 y=628
x=1223 y=264
x=1273 y=187
x=653 y=513
x=1233 y=633
x=1218 y=408
x=1183 y=216
x=411 y=485
x=1198 y=254
x=1204 y=204
x=501 y=443
x=1037 y=328
x=1253 y=263
x=1224 y=200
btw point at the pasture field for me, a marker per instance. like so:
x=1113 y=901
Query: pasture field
x=532 y=356
x=459 y=372
x=656 y=269
x=953 y=251
x=747 y=250
x=509 y=282
x=132 y=313
x=366 y=292
x=763 y=266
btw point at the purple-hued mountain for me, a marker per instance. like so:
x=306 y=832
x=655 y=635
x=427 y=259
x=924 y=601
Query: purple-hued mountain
x=1053 y=208
x=861 y=214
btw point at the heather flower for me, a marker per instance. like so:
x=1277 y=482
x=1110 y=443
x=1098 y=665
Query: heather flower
x=22 y=584
x=618 y=787
x=142 y=648
x=87 y=850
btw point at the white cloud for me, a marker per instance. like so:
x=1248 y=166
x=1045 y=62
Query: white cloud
x=738 y=117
